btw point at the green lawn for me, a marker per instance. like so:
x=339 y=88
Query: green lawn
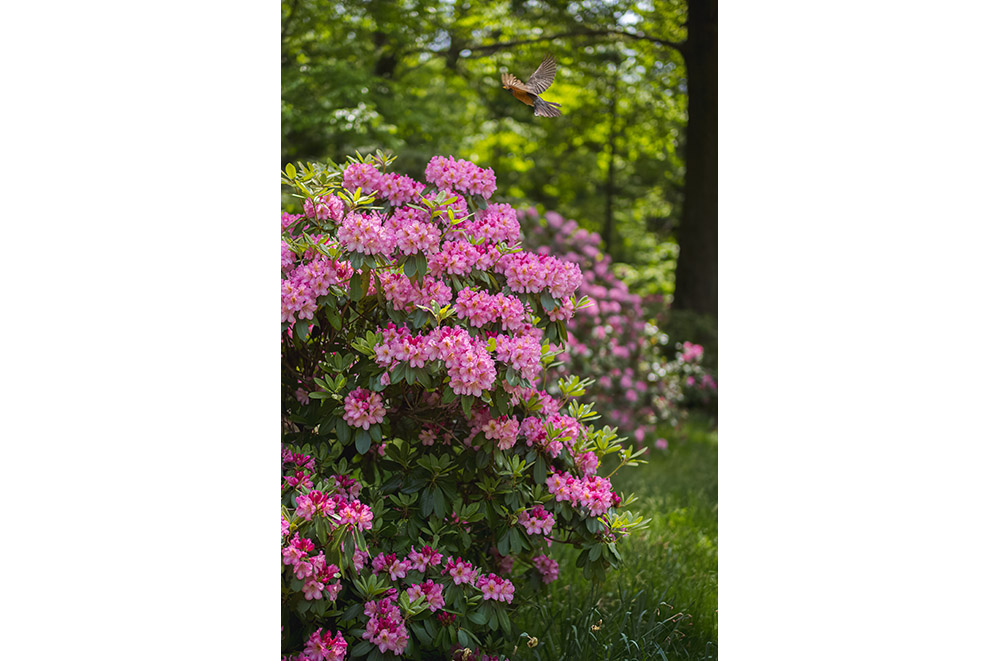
x=662 y=602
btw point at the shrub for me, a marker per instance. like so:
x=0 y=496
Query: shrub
x=430 y=457
x=643 y=382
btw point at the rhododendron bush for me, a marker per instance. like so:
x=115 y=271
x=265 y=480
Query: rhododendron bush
x=431 y=459
x=641 y=381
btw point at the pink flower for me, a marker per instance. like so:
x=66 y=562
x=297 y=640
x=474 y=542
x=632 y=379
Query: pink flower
x=321 y=646
x=363 y=408
x=424 y=558
x=494 y=587
x=548 y=567
x=460 y=571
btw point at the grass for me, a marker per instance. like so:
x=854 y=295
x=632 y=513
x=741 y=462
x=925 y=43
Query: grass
x=662 y=602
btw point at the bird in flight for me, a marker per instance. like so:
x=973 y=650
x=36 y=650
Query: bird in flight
x=529 y=92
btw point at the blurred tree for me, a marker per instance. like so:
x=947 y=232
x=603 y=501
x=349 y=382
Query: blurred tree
x=422 y=78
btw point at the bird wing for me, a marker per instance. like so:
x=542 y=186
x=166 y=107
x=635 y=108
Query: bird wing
x=510 y=81
x=543 y=76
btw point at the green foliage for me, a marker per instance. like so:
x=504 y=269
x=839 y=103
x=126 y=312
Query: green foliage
x=662 y=602
x=422 y=78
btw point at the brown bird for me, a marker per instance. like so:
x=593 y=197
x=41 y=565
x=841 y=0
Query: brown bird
x=538 y=83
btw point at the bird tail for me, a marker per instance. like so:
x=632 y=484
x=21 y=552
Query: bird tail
x=546 y=108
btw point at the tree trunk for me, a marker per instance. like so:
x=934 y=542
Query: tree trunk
x=697 y=286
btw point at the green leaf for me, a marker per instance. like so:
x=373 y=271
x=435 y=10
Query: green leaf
x=362 y=441
x=302 y=329
x=540 y=471
x=359 y=285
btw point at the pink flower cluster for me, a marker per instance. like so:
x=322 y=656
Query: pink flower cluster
x=406 y=295
x=412 y=234
x=503 y=430
x=363 y=408
x=593 y=492
x=461 y=176
x=692 y=352
x=461 y=258
x=396 y=568
x=497 y=223
x=399 y=189
x=470 y=367
x=327 y=207
x=528 y=272
x=313 y=570
x=365 y=233
x=433 y=592
x=321 y=646
x=385 y=626
x=356 y=514
x=548 y=567
x=522 y=352
x=304 y=283
x=424 y=558
x=481 y=308
x=460 y=570
x=362 y=175
x=537 y=520
x=494 y=587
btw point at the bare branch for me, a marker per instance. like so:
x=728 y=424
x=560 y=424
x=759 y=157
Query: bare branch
x=488 y=49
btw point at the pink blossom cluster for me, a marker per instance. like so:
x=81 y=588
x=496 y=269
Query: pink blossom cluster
x=321 y=646
x=593 y=492
x=385 y=626
x=404 y=294
x=398 y=189
x=362 y=175
x=318 y=577
x=326 y=207
x=412 y=234
x=548 y=567
x=317 y=502
x=522 y=352
x=692 y=352
x=494 y=587
x=365 y=233
x=481 y=308
x=529 y=272
x=470 y=367
x=460 y=175
x=537 y=520
x=356 y=514
x=503 y=430
x=424 y=558
x=363 y=408
x=460 y=570
x=395 y=567
x=307 y=281
x=433 y=592
x=496 y=223
x=461 y=258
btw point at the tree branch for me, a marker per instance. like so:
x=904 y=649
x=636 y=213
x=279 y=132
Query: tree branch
x=488 y=49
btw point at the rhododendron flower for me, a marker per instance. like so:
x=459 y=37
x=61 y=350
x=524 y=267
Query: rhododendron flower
x=548 y=567
x=356 y=514
x=363 y=408
x=494 y=587
x=424 y=558
x=537 y=520
x=461 y=176
x=321 y=646
x=433 y=593
x=459 y=570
